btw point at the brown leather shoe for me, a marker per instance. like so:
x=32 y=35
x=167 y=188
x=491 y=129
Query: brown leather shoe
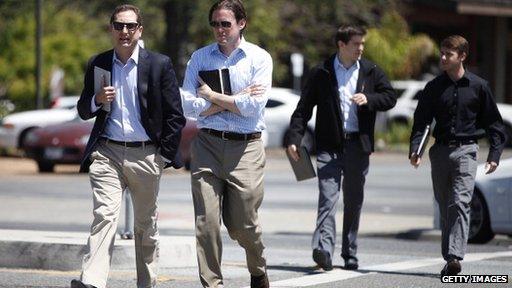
x=452 y=268
x=260 y=281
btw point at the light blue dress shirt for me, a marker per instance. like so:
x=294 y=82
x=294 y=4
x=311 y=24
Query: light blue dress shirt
x=248 y=65
x=347 y=83
x=124 y=122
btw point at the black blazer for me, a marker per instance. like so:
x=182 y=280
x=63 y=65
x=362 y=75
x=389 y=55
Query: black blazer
x=321 y=90
x=159 y=99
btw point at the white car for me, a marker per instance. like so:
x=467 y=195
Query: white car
x=14 y=127
x=410 y=90
x=491 y=205
x=280 y=106
x=65 y=102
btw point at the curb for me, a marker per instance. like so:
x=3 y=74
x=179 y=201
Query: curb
x=50 y=250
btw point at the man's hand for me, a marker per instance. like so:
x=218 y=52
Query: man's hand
x=292 y=151
x=106 y=95
x=359 y=99
x=205 y=91
x=490 y=167
x=415 y=160
x=255 y=90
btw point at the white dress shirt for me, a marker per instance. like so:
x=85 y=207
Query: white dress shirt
x=124 y=122
x=347 y=82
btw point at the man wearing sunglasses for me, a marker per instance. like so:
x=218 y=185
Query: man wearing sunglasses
x=348 y=91
x=228 y=156
x=130 y=144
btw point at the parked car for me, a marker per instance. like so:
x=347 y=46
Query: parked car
x=62 y=143
x=410 y=90
x=65 y=102
x=280 y=106
x=65 y=143
x=491 y=205
x=15 y=127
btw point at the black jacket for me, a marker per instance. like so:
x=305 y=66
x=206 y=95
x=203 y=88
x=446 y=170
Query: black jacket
x=159 y=99
x=321 y=90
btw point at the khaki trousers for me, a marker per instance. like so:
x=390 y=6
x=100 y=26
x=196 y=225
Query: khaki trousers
x=227 y=182
x=114 y=168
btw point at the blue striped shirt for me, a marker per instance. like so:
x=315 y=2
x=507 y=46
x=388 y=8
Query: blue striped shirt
x=248 y=65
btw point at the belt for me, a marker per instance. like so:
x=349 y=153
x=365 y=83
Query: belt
x=350 y=135
x=232 y=135
x=127 y=144
x=456 y=143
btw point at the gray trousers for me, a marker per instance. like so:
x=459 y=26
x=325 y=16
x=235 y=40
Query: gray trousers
x=227 y=184
x=453 y=179
x=352 y=165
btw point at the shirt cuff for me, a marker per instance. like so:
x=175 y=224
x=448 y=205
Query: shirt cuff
x=94 y=107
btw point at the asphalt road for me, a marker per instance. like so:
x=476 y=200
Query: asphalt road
x=396 y=247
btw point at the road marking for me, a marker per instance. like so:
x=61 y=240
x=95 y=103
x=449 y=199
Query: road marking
x=339 y=274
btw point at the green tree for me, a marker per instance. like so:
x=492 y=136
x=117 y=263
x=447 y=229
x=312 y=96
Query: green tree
x=400 y=54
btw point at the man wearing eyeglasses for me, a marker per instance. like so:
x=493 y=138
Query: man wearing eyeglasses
x=347 y=91
x=228 y=156
x=130 y=144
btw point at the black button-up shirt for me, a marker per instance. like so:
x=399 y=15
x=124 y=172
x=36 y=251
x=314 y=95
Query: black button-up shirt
x=463 y=110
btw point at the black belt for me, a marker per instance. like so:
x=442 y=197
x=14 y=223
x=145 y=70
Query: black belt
x=127 y=144
x=232 y=135
x=350 y=135
x=456 y=143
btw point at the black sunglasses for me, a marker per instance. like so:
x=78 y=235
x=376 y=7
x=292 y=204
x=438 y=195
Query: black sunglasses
x=119 y=26
x=223 y=24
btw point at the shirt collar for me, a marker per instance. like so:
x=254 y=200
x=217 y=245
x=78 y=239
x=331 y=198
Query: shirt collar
x=134 y=57
x=244 y=47
x=338 y=65
x=467 y=76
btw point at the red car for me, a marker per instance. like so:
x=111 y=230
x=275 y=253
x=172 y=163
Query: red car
x=65 y=143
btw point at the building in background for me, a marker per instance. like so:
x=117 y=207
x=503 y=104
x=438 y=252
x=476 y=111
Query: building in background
x=487 y=24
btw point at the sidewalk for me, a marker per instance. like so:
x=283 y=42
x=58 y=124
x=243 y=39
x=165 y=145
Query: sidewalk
x=49 y=250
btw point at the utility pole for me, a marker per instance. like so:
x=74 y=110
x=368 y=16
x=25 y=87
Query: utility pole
x=39 y=56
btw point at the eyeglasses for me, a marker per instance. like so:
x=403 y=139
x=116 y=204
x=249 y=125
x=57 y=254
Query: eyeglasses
x=223 y=24
x=119 y=26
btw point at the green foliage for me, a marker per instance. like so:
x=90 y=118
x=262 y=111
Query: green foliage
x=396 y=134
x=400 y=54
x=73 y=31
x=71 y=35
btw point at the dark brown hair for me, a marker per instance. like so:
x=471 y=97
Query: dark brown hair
x=457 y=43
x=346 y=32
x=234 y=5
x=126 y=7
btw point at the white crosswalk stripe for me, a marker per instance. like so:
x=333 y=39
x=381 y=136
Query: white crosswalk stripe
x=339 y=274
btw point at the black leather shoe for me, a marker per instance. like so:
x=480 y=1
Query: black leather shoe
x=351 y=264
x=80 y=284
x=452 y=268
x=260 y=281
x=323 y=259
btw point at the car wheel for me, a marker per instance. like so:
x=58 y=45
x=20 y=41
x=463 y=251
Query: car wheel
x=480 y=231
x=45 y=167
x=23 y=136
